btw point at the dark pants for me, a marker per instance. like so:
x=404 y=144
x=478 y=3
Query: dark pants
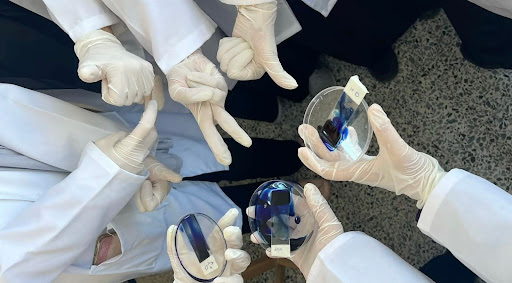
x=486 y=37
x=446 y=268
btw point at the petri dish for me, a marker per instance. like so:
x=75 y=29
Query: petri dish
x=342 y=131
x=292 y=225
x=200 y=247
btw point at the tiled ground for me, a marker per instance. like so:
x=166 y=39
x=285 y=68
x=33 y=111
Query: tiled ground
x=442 y=105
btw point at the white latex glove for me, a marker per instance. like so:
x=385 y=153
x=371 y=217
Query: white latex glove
x=327 y=228
x=197 y=84
x=397 y=168
x=237 y=259
x=252 y=50
x=125 y=78
x=156 y=187
x=129 y=151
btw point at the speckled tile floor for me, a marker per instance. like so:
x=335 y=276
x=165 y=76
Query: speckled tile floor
x=442 y=105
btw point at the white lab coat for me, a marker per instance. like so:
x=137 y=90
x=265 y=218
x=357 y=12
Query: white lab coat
x=468 y=215
x=500 y=7
x=50 y=219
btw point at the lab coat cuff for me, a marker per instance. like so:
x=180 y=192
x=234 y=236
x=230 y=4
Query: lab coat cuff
x=328 y=249
x=245 y=2
x=90 y=24
x=178 y=51
x=93 y=152
x=438 y=196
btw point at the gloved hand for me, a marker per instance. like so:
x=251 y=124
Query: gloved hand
x=125 y=78
x=252 y=50
x=156 y=187
x=237 y=259
x=197 y=84
x=327 y=228
x=397 y=168
x=129 y=151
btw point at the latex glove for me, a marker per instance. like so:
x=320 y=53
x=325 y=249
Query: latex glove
x=237 y=259
x=156 y=187
x=125 y=78
x=252 y=50
x=327 y=228
x=129 y=151
x=197 y=84
x=397 y=168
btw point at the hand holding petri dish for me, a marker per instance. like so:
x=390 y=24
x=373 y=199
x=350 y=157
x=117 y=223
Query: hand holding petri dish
x=280 y=218
x=336 y=125
x=200 y=247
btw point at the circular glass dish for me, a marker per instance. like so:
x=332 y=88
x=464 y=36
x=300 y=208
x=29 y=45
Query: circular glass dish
x=339 y=128
x=200 y=247
x=300 y=222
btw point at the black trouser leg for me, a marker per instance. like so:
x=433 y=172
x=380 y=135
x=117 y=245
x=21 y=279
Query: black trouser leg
x=36 y=52
x=241 y=195
x=446 y=268
x=264 y=159
x=486 y=37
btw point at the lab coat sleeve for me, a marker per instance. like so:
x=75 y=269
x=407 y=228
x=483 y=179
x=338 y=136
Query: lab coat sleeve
x=500 y=7
x=472 y=218
x=76 y=17
x=43 y=240
x=357 y=257
x=168 y=30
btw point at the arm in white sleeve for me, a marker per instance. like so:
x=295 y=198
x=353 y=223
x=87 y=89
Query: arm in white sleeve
x=357 y=257
x=43 y=240
x=79 y=17
x=500 y=7
x=168 y=30
x=472 y=218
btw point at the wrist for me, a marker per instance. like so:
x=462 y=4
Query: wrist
x=432 y=182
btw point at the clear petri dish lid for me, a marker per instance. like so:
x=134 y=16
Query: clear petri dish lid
x=280 y=218
x=337 y=128
x=200 y=247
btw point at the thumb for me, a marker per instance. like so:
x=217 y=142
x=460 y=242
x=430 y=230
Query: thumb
x=160 y=172
x=323 y=213
x=270 y=61
x=387 y=136
x=90 y=73
x=171 y=246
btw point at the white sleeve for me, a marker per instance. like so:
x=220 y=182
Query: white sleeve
x=168 y=30
x=44 y=239
x=79 y=17
x=500 y=7
x=472 y=218
x=357 y=257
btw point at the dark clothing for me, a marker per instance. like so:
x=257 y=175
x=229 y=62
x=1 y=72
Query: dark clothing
x=446 y=268
x=486 y=37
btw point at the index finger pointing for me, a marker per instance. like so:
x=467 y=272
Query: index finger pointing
x=147 y=121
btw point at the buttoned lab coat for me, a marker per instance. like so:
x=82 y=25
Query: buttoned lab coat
x=50 y=218
x=468 y=215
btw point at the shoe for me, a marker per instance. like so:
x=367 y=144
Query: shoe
x=386 y=68
x=320 y=79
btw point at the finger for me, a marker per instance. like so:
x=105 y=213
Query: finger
x=110 y=96
x=275 y=70
x=232 y=53
x=219 y=94
x=387 y=136
x=256 y=238
x=312 y=139
x=110 y=140
x=204 y=118
x=139 y=195
x=239 y=260
x=228 y=219
x=322 y=212
x=204 y=79
x=148 y=141
x=242 y=67
x=229 y=124
x=158 y=171
x=325 y=169
x=185 y=95
x=90 y=73
x=233 y=237
x=158 y=92
x=236 y=278
x=251 y=212
x=147 y=121
x=226 y=44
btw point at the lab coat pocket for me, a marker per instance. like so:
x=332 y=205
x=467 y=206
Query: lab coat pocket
x=142 y=237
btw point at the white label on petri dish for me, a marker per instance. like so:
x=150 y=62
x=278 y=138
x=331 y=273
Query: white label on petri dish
x=280 y=250
x=355 y=89
x=209 y=265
